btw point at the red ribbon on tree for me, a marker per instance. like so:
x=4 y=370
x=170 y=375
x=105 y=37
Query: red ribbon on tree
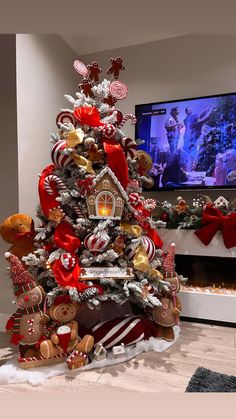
x=116 y=161
x=47 y=201
x=65 y=238
x=213 y=220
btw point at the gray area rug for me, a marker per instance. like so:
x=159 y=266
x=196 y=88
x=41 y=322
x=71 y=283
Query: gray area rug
x=207 y=381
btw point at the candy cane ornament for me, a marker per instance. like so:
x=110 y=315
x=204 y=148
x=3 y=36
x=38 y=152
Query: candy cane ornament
x=56 y=180
x=129 y=147
x=126 y=118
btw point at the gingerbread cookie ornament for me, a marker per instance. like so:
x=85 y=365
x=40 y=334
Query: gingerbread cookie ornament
x=116 y=67
x=86 y=87
x=94 y=71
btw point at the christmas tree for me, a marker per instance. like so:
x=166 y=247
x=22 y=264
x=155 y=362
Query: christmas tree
x=97 y=241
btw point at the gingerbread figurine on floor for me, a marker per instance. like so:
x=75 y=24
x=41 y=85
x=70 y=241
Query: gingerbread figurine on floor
x=63 y=330
x=167 y=315
x=27 y=324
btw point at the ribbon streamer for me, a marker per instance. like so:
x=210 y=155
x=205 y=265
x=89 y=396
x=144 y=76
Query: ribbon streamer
x=117 y=161
x=140 y=260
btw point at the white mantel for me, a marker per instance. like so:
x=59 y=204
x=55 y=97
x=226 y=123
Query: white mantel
x=187 y=243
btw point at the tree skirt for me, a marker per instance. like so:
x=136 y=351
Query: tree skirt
x=207 y=381
x=11 y=373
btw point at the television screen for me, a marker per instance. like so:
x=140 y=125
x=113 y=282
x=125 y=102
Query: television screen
x=192 y=142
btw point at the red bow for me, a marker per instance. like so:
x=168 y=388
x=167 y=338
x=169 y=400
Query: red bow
x=213 y=220
x=88 y=115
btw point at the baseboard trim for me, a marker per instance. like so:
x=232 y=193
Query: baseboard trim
x=208 y=321
x=3 y=319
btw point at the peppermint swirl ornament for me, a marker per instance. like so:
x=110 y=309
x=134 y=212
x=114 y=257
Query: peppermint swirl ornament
x=65 y=117
x=118 y=90
x=81 y=68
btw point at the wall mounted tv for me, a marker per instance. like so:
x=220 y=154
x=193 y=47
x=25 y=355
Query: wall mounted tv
x=192 y=142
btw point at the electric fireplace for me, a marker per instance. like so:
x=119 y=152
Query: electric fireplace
x=210 y=292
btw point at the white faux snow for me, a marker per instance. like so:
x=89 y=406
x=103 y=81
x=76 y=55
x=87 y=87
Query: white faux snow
x=11 y=373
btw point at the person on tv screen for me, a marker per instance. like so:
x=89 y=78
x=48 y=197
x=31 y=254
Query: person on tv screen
x=193 y=131
x=174 y=174
x=173 y=129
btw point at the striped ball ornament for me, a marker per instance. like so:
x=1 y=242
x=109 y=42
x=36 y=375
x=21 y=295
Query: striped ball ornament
x=149 y=247
x=60 y=159
x=95 y=243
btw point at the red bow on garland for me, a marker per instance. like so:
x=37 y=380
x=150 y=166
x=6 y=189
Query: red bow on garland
x=213 y=220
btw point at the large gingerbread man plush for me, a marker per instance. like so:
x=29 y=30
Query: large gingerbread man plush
x=167 y=315
x=18 y=229
x=27 y=324
x=63 y=330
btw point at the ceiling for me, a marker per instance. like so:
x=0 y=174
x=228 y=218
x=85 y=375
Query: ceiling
x=151 y=21
x=97 y=25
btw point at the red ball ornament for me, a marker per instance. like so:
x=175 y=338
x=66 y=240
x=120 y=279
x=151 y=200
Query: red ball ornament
x=68 y=261
x=60 y=159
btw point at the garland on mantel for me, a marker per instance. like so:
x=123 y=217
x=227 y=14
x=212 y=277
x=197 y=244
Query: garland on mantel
x=181 y=215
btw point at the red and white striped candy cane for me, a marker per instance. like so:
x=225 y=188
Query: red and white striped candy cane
x=78 y=211
x=150 y=204
x=55 y=179
x=125 y=119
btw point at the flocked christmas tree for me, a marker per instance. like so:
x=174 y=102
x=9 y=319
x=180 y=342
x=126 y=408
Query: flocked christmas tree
x=97 y=240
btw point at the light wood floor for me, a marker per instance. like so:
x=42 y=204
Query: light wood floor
x=212 y=347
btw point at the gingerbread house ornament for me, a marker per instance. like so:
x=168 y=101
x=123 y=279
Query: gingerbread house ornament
x=106 y=197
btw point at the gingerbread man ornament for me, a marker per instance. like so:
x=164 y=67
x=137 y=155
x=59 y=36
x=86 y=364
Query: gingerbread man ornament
x=86 y=87
x=94 y=71
x=116 y=66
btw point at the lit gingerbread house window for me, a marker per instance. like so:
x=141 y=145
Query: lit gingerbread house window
x=106 y=197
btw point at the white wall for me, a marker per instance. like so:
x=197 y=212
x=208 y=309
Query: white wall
x=44 y=74
x=182 y=67
x=8 y=155
x=42 y=65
